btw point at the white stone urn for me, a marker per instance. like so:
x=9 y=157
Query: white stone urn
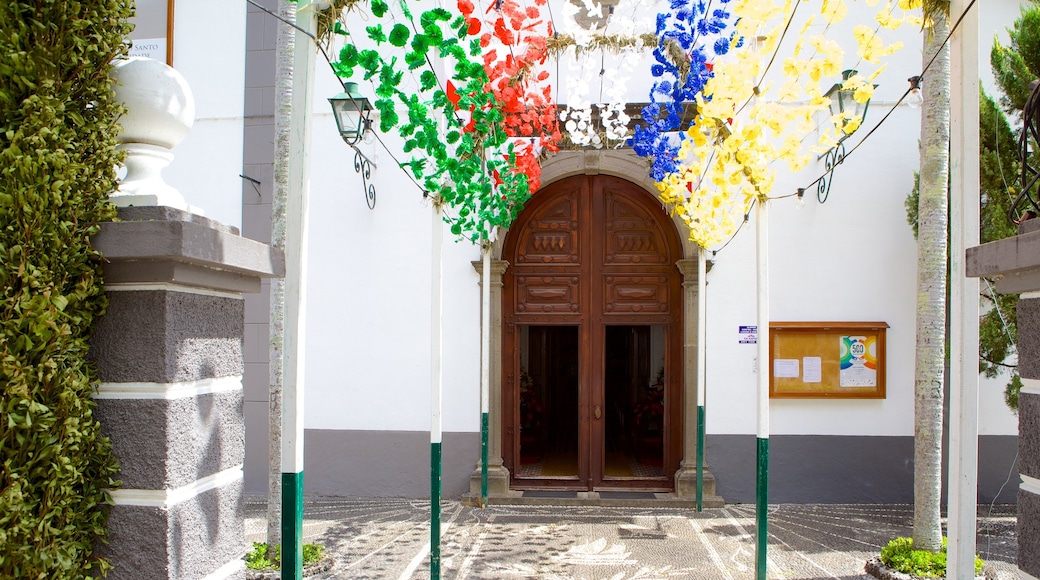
x=160 y=113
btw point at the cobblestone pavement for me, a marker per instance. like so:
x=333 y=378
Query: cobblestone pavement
x=389 y=539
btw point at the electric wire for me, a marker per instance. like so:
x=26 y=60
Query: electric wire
x=953 y=29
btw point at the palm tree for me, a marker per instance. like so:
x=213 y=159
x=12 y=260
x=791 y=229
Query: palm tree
x=932 y=253
x=285 y=43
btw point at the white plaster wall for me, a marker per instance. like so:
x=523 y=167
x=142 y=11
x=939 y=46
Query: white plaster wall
x=209 y=50
x=851 y=259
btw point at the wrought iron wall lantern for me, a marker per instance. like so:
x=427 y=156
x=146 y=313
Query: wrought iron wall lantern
x=353 y=111
x=844 y=104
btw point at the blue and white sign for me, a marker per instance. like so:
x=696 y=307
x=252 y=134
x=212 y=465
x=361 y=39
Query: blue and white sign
x=747 y=335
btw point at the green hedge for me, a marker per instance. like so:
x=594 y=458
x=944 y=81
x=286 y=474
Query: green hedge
x=57 y=159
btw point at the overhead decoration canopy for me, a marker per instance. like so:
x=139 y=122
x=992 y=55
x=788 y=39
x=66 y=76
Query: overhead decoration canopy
x=527 y=77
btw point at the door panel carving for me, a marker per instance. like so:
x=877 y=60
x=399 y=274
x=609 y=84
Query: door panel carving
x=551 y=234
x=635 y=294
x=544 y=294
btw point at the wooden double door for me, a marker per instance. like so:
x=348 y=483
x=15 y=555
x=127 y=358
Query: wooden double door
x=592 y=340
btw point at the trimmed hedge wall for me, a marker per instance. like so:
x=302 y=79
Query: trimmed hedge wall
x=57 y=166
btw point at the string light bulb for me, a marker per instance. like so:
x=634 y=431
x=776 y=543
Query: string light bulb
x=800 y=202
x=915 y=99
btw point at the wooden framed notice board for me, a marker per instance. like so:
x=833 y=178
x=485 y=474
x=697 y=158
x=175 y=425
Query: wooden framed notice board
x=827 y=360
x=153 y=30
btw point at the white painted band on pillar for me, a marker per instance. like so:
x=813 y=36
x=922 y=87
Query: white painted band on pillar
x=170 y=287
x=762 y=276
x=168 y=391
x=702 y=325
x=166 y=498
x=227 y=570
x=1030 y=484
x=1031 y=386
x=436 y=323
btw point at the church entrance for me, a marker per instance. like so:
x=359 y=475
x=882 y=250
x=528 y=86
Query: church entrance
x=592 y=340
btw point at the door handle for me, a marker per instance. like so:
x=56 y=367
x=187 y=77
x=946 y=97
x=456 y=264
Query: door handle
x=597 y=412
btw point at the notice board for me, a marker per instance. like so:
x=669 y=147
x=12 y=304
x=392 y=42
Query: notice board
x=153 y=30
x=825 y=360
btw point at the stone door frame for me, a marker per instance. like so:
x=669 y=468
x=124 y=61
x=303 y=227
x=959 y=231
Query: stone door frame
x=630 y=167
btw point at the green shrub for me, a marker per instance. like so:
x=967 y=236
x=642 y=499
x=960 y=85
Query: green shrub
x=900 y=555
x=263 y=557
x=57 y=166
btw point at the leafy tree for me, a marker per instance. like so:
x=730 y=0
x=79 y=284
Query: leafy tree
x=58 y=128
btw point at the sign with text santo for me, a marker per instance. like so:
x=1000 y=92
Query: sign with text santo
x=826 y=360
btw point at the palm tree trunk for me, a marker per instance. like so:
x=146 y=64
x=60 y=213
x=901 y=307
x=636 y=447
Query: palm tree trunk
x=284 y=51
x=932 y=253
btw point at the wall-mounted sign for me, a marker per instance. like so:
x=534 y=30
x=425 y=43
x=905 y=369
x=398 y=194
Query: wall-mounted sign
x=747 y=335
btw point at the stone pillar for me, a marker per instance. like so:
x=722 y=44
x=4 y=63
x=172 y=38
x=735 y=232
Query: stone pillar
x=1015 y=264
x=686 y=477
x=169 y=355
x=498 y=475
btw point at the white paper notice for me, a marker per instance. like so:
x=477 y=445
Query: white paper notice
x=785 y=368
x=154 y=48
x=813 y=369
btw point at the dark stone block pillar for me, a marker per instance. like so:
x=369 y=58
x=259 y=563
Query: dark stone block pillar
x=169 y=352
x=1015 y=264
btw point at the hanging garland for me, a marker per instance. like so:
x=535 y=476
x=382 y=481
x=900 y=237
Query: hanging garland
x=682 y=69
x=498 y=113
x=513 y=39
x=724 y=159
x=454 y=165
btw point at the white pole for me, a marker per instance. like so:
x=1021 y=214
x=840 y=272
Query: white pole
x=436 y=383
x=485 y=366
x=702 y=365
x=762 y=470
x=295 y=328
x=964 y=294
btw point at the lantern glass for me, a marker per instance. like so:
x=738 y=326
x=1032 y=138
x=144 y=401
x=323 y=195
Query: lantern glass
x=351 y=110
x=843 y=102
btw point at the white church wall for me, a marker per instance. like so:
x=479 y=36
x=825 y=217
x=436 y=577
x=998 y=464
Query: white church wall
x=209 y=50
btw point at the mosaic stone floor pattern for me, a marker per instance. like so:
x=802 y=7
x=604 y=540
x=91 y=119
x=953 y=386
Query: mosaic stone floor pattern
x=389 y=539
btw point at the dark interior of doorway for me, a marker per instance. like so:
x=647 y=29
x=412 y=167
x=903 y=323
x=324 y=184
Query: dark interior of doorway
x=634 y=401
x=549 y=402
x=633 y=395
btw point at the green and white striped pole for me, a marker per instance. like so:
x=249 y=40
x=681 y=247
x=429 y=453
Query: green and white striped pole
x=702 y=364
x=295 y=328
x=762 y=471
x=485 y=368
x=436 y=380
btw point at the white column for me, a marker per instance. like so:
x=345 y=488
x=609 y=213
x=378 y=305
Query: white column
x=964 y=292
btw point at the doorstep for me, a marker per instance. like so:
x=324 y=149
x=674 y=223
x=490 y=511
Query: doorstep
x=611 y=498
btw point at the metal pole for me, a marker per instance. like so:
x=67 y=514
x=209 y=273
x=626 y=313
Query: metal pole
x=762 y=463
x=485 y=368
x=964 y=294
x=436 y=379
x=295 y=330
x=702 y=365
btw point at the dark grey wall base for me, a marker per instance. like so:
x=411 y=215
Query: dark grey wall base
x=189 y=540
x=843 y=469
x=802 y=469
x=384 y=463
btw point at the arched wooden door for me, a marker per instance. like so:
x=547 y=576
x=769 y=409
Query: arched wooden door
x=592 y=340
